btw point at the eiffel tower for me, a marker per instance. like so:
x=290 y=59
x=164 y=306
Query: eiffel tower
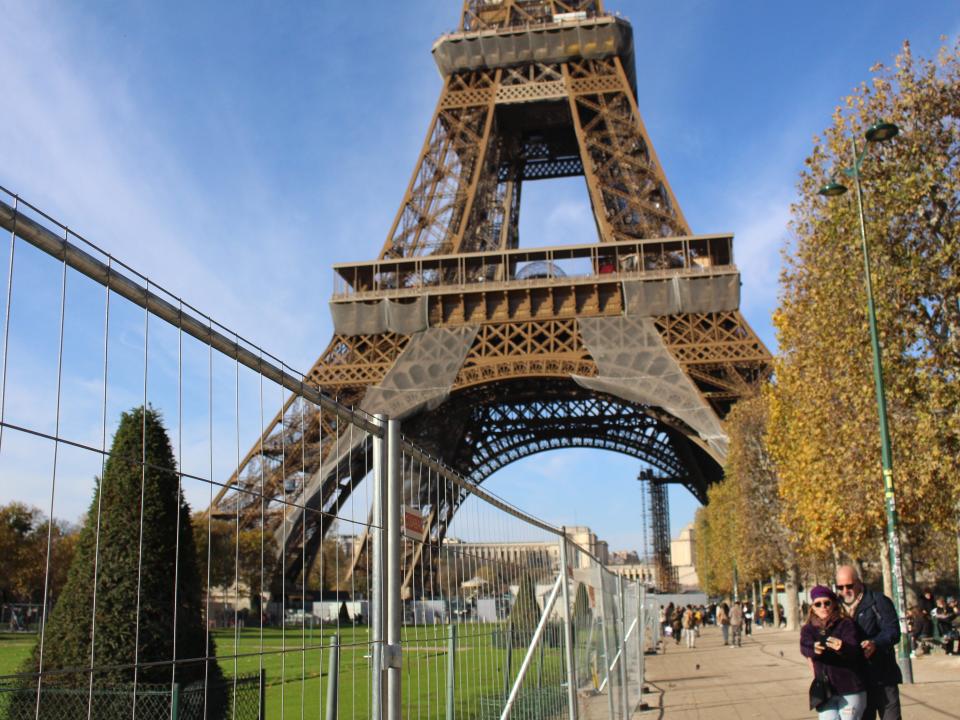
x=489 y=352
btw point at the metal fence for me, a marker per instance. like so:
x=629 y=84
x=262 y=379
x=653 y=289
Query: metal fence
x=429 y=597
x=244 y=697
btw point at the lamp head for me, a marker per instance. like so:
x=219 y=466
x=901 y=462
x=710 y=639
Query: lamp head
x=882 y=131
x=832 y=189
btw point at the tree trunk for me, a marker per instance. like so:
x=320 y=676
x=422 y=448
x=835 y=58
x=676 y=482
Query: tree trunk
x=791 y=604
x=858 y=564
x=909 y=575
x=775 y=600
x=885 y=569
x=958 y=548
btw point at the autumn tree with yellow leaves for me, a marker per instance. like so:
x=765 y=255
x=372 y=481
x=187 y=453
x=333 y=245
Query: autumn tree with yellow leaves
x=742 y=522
x=823 y=428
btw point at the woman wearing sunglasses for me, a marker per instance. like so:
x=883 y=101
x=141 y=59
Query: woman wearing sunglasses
x=829 y=640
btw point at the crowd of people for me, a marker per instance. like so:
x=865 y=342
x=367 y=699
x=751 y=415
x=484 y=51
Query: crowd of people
x=934 y=620
x=683 y=622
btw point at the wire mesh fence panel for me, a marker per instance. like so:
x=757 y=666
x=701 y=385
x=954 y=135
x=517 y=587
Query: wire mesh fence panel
x=610 y=638
x=201 y=533
x=477 y=577
x=185 y=503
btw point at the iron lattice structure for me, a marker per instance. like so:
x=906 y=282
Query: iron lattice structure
x=487 y=362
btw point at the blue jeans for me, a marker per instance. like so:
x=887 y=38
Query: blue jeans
x=844 y=707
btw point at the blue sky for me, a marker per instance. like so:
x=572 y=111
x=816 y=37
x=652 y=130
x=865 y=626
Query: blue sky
x=234 y=151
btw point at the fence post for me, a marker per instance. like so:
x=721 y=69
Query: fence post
x=606 y=642
x=508 y=661
x=380 y=441
x=641 y=636
x=333 y=678
x=568 y=631
x=622 y=648
x=451 y=670
x=175 y=702
x=263 y=694
x=394 y=604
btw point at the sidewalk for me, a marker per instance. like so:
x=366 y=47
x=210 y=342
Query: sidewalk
x=768 y=678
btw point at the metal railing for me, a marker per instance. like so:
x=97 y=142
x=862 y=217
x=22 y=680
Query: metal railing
x=400 y=277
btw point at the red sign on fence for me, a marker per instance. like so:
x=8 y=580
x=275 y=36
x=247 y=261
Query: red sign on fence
x=413 y=524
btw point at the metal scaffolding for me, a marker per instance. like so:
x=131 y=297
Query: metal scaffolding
x=667 y=580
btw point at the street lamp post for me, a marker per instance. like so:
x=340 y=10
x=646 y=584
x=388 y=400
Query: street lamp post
x=880 y=132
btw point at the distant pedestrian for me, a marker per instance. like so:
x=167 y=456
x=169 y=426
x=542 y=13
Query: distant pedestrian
x=689 y=627
x=878 y=630
x=677 y=623
x=829 y=639
x=668 y=618
x=747 y=618
x=736 y=625
x=723 y=620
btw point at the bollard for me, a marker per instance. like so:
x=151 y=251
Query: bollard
x=333 y=678
x=451 y=670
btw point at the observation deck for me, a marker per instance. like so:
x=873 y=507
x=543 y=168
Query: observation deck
x=664 y=276
x=562 y=38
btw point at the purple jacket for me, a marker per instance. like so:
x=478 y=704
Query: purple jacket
x=844 y=668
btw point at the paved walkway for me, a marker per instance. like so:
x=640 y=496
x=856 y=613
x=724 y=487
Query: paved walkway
x=768 y=678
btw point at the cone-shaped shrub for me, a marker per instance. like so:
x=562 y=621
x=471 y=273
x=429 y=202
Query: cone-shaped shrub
x=525 y=613
x=581 y=607
x=142 y=574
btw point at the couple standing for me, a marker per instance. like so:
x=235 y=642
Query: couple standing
x=851 y=641
x=730 y=620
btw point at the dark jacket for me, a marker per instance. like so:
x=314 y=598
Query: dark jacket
x=844 y=667
x=876 y=620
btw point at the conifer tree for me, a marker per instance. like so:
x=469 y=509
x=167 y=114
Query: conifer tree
x=525 y=612
x=137 y=509
x=581 y=607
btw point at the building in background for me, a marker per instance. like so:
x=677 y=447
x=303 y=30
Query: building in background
x=539 y=553
x=683 y=553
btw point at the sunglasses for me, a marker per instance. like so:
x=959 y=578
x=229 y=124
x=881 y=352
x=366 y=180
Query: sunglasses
x=823 y=603
x=851 y=586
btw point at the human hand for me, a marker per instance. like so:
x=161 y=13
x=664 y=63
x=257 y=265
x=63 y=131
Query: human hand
x=869 y=648
x=834 y=643
x=818 y=648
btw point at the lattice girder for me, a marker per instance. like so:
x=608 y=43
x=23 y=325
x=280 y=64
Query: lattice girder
x=526 y=380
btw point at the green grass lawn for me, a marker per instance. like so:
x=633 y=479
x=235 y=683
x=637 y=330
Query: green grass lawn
x=296 y=665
